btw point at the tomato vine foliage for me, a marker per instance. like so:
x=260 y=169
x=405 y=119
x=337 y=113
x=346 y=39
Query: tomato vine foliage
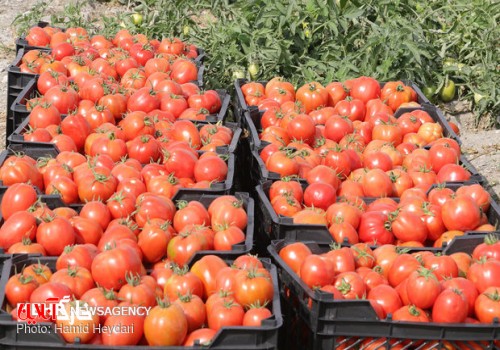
x=312 y=40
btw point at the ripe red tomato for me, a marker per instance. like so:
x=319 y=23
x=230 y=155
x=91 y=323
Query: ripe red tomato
x=312 y=96
x=422 y=288
x=372 y=229
x=484 y=274
x=54 y=234
x=316 y=271
x=110 y=267
x=450 y=307
x=461 y=213
x=19 y=288
x=487 y=305
x=387 y=297
x=319 y=195
x=365 y=89
x=294 y=255
x=253 y=287
x=225 y=314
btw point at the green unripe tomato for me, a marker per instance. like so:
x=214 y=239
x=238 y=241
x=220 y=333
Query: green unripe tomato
x=238 y=74
x=253 y=69
x=448 y=91
x=429 y=91
x=137 y=19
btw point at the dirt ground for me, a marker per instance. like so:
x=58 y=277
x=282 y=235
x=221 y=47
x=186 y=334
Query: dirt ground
x=482 y=147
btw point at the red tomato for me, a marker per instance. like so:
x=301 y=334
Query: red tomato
x=450 y=307
x=317 y=271
x=387 y=297
x=110 y=267
x=487 y=305
x=422 y=288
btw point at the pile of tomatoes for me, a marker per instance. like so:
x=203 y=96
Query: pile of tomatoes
x=183 y=304
x=418 y=219
x=151 y=225
x=351 y=128
x=413 y=287
x=78 y=179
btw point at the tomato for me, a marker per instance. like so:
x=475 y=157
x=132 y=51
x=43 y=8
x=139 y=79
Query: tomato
x=54 y=234
x=478 y=193
x=153 y=241
x=372 y=229
x=410 y=313
x=225 y=314
x=182 y=282
x=402 y=267
x=110 y=267
x=202 y=336
x=144 y=100
x=453 y=173
x=184 y=71
x=407 y=226
x=316 y=271
x=365 y=89
x=152 y=206
x=422 y=288
x=18 y=197
x=319 y=195
x=26 y=246
x=350 y=284
x=341 y=258
x=49 y=290
x=207 y=269
x=336 y=127
x=466 y=287
x=484 y=274
x=100 y=184
x=231 y=212
x=136 y=322
x=387 y=297
x=136 y=292
x=98 y=211
x=253 y=287
x=448 y=91
x=489 y=249
x=450 y=307
x=336 y=93
x=294 y=255
x=487 y=305
x=461 y=213
x=77 y=255
x=255 y=315
x=312 y=96
x=376 y=183
x=194 y=310
x=19 y=288
x=41 y=273
x=75 y=331
x=78 y=279
x=210 y=169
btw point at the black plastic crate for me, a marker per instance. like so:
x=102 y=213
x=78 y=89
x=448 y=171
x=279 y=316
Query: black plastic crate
x=327 y=318
x=259 y=172
x=244 y=338
x=273 y=227
x=20 y=112
x=493 y=212
x=241 y=105
x=17 y=138
x=299 y=337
